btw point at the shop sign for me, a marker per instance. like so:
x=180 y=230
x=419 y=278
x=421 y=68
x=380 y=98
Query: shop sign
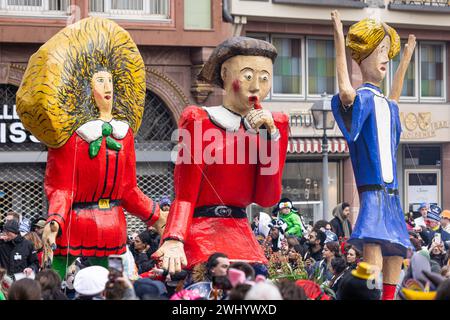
x=301 y=119
x=11 y=129
x=419 y=125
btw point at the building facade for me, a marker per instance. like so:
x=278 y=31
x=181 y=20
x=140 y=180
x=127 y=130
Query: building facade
x=305 y=68
x=174 y=38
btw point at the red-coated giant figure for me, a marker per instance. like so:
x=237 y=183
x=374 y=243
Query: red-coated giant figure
x=230 y=156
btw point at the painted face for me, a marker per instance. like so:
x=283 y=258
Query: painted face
x=102 y=86
x=245 y=77
x=221 y=269
x=374 y=67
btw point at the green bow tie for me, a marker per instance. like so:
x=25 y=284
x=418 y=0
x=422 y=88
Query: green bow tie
x=94 y=146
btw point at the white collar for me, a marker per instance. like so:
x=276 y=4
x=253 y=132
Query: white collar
x=92 y=130
x=377 y=93
x=225 y=118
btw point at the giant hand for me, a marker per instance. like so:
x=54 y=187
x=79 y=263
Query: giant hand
x=172 y=253
x=160 y=224
x=49 y=242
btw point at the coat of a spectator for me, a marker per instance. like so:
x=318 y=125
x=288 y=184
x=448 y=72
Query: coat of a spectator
x=340 y=224
x=17 y=254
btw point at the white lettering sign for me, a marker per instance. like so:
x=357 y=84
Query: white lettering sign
x=11 y=129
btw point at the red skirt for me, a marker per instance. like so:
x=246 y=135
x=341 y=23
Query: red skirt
x=230 y=236
x=94 y=233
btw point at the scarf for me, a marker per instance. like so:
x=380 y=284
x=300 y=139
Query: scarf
x=339 y=213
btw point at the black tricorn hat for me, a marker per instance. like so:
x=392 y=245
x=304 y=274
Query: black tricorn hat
x=235 y=46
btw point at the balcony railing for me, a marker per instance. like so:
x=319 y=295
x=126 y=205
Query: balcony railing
x=438 y=6
x=131 y=9
x=34 y=7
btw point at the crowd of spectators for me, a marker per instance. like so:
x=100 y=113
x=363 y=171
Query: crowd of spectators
x=306 y=262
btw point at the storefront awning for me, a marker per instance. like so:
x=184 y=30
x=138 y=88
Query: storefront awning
x=314 y=145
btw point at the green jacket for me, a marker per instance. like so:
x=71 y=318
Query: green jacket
x=294 y=225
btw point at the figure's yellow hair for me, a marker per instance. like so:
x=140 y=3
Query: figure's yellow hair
x=364 y=36
x=55 y=96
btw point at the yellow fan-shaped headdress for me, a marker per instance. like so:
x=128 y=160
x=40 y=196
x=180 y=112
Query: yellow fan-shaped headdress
x=55 y=96
x=364 y=36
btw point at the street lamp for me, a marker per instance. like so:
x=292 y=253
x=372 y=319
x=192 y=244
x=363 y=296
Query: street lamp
x=323 y=120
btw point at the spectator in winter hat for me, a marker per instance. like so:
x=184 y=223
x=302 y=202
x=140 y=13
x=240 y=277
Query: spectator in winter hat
x=423 y=209
x=445 y=220
x=165 y=203
x=148 y=289
x=433 y=219
x=24 y=226
x=17 y=254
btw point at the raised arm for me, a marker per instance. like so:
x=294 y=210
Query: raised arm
x=397 y=83
x=346 y=92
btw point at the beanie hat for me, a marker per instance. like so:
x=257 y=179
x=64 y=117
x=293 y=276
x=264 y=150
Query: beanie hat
x=434 y=213
x=165 y=201
x=150 y=289
x=11 y=226
x=25 y=226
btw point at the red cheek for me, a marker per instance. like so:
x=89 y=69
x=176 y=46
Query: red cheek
x=236 y=85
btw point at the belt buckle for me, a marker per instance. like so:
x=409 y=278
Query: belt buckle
x=103 y=204
x=222 y=211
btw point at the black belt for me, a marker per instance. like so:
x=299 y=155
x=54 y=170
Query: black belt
x=102 y=204
x=376 y=187
x=220 y=212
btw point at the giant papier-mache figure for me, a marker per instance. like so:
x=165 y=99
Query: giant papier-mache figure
x=371 y=125
x=208 y=214
x=83 y=96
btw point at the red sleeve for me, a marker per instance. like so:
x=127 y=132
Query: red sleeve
x=271 y=164
x=188 y=173
x=60 y=181
x=134 y=200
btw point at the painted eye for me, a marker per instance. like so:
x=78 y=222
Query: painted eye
x=265 y=77
x=248 y=76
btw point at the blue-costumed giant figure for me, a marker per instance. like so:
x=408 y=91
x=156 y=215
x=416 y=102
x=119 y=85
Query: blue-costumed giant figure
x=371 y=126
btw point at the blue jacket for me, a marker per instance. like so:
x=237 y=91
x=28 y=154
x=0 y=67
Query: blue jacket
x=359 y=127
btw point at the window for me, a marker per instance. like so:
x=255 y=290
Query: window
x=197 y=14
x=153 y=9
x=304 y=67
x=287 y=69
x=432 y=70
x=34 y=6
x=321 y=67
x=409 y=84
x=428 y=65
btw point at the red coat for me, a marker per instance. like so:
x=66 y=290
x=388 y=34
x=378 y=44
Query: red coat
x=73 y=178
x=203 y=184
